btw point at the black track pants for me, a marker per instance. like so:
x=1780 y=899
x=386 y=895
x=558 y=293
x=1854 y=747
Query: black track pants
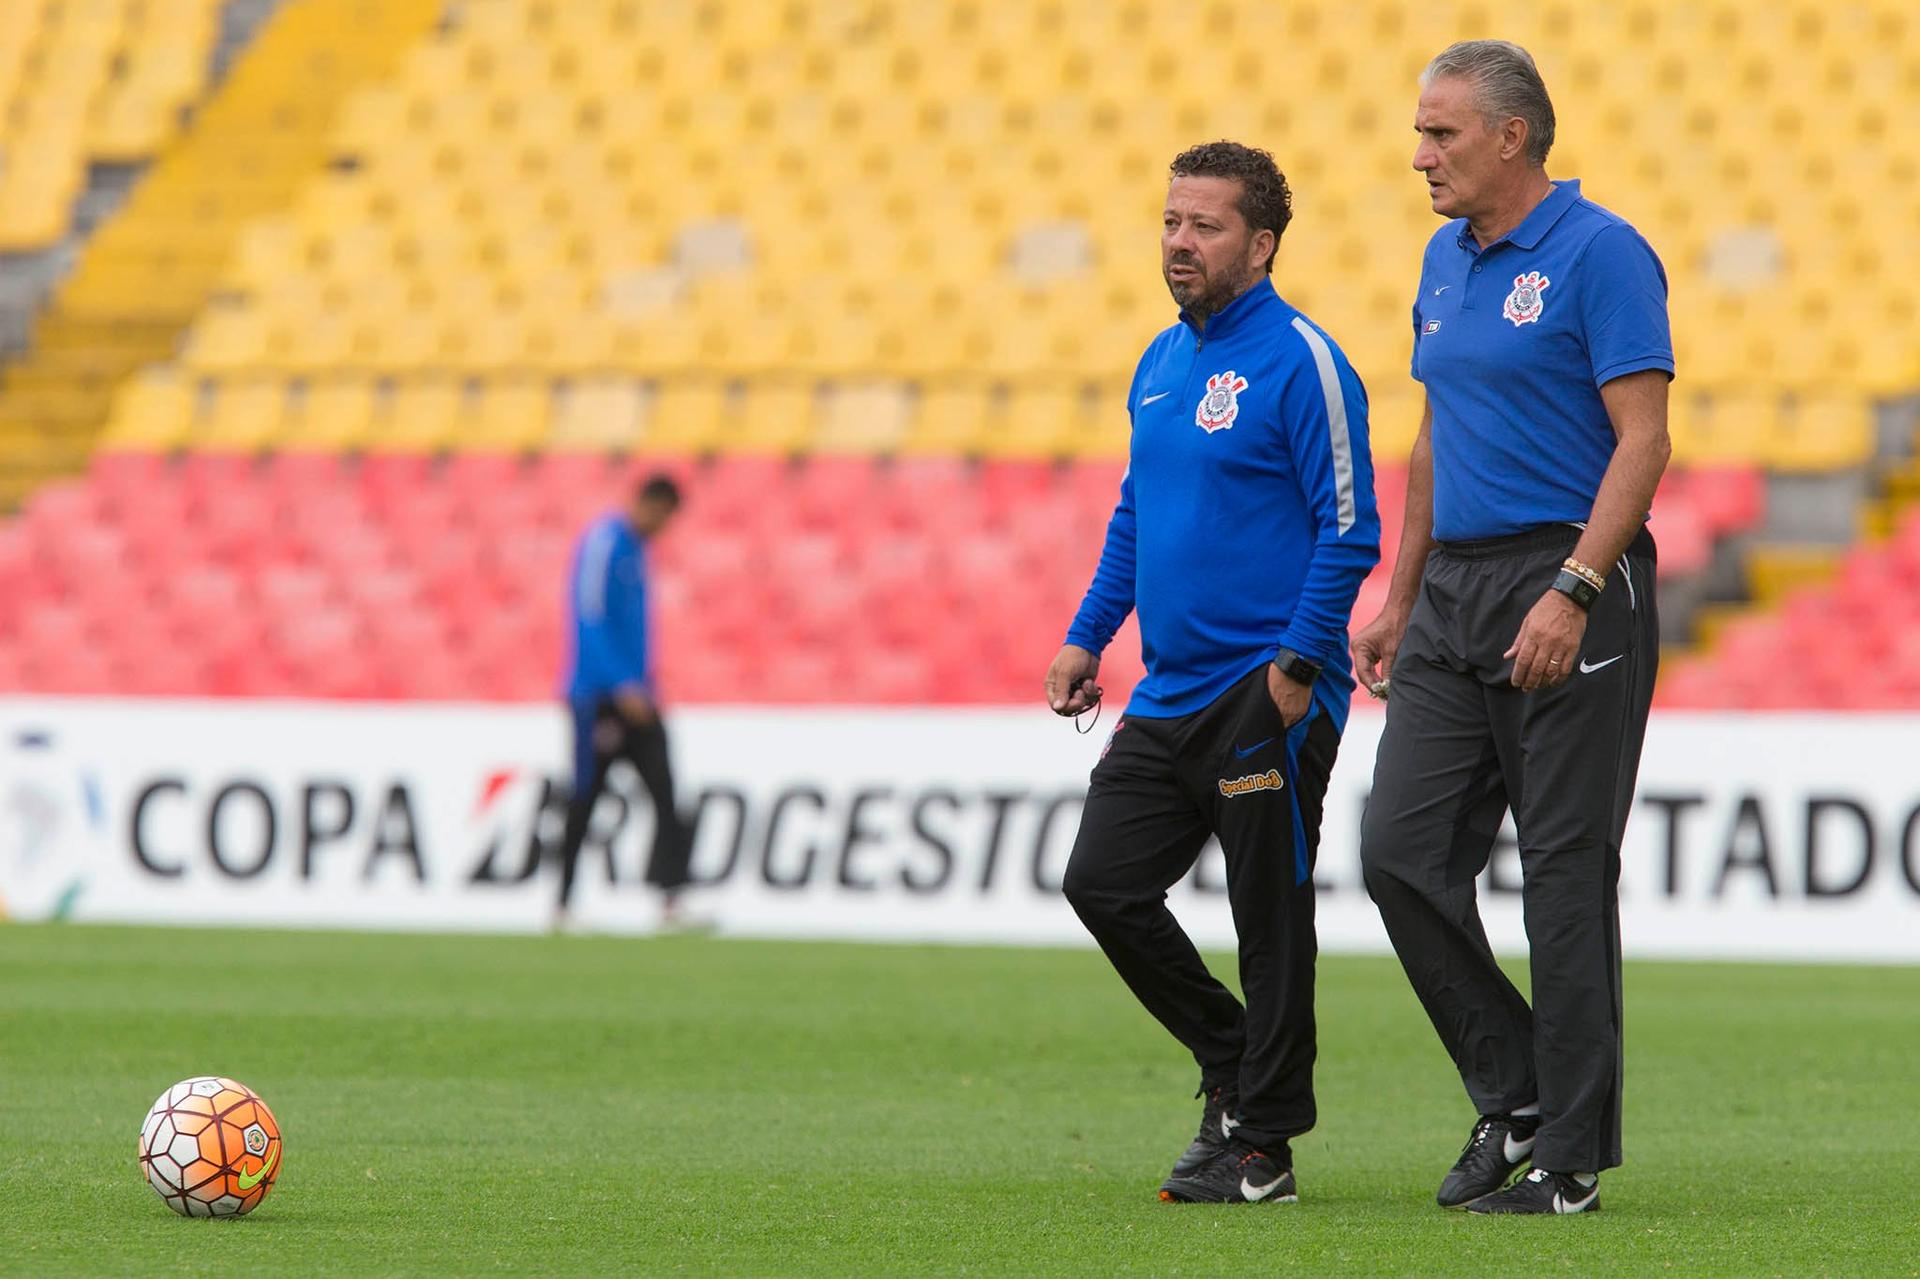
x=1164 y=785
x=1461 y=747
x=601 y=737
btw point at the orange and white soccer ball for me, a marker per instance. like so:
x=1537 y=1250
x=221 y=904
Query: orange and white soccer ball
x=210 y=1148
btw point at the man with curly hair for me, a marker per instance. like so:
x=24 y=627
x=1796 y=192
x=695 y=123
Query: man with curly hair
x=1245 y=526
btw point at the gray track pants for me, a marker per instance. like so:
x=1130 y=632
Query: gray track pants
x=1461 y=747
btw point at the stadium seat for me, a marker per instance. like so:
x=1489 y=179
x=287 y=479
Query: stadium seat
x=510 y=276
x=875 y=297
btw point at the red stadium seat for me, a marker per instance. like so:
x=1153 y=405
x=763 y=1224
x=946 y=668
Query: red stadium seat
x=831 y=579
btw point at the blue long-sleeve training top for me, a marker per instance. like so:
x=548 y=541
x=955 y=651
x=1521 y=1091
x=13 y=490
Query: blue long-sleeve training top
x=607 y=605
x=1246 y=519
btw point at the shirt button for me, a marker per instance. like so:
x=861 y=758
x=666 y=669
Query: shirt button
x=1476 y=270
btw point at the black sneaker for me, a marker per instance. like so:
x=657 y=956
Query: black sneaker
x=1500 y=1144
x=1541 y=1191
x=1216 y=1125
x=1239 y=1174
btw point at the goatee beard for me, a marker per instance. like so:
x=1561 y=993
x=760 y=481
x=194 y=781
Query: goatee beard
x=1213 y=301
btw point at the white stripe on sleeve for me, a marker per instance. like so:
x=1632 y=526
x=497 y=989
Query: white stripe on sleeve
x=590 y=588
x=1341 y=435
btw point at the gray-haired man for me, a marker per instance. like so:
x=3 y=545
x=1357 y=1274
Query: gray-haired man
x=1520 y=628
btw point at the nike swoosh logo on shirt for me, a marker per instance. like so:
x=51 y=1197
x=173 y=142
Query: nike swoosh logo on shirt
x=1243 y=752
x=1442 y=289
x=1588 y=668
x=1151 y=398
x=1518 y=1150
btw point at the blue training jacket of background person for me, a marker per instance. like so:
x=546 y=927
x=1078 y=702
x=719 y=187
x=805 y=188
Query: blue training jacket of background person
x=1246 y=519
x=607 y=604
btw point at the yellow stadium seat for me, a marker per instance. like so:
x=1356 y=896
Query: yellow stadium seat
x=512 y=415
x=35 y=203
x=394 y=342
x=226 y=339
x=598 y=413
x=1394 y=406
x=773 y=198
x=245 y=415
x=775 y=417
x=1820 y=433
x=425 y=415
x=864 y=418
x=657 y=346
x=479 y=342
x=154 y=411
x=1732 y=425
x=1048 y=420
x=956 y=418
x=332 y=415
x=689 y=417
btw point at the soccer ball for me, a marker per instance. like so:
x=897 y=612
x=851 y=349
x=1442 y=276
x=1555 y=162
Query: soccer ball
x=210 y=1148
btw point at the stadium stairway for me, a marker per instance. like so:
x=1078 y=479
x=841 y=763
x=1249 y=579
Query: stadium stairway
x=86 y=84
x=1851 y=641
x=149 y=270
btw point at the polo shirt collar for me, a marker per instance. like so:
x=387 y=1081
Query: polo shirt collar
x=1534 y=227
x=1235 y=313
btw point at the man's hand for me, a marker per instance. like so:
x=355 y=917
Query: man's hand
x=635 y=707
x=1549 y=641
x=1070 y=681
x=1375 y=646
x=1292 y=700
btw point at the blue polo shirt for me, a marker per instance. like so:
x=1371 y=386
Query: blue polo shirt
x=1513 y=343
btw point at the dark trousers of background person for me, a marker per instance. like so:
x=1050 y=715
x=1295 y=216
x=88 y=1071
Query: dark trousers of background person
x=601 y=737
x=1233 y=770
x=1461 y=746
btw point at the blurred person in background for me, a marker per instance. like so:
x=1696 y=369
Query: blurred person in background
x=610 y=688
x=1519 y=639
x=1245 y=527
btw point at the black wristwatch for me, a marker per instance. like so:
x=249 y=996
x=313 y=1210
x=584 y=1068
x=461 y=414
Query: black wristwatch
x=1299 y=669
x=1576 y=588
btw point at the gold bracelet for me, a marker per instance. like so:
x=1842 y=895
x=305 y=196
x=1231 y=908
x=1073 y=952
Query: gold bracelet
x=1580 y=570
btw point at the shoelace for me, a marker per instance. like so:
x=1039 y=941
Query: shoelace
x=1210 y=1113
x=1484 y=1130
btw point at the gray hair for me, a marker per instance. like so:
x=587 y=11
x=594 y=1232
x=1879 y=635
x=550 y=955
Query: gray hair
x=1505 y=84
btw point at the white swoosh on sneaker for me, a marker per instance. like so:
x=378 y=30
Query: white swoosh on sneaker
x=1518 y=1150
x=1560 y=1204
x=1588 y=668
x=1151 y=398
x=1227 y=1124
x=1254 y=1194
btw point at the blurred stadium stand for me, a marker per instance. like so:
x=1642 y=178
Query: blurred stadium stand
x=418 y=280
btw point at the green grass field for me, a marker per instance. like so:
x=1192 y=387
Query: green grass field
x=598 y=1105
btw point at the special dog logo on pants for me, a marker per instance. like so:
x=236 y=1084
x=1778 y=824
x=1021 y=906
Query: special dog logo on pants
x=1232 y=788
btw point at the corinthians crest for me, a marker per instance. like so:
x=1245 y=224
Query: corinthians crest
x=1523 y=304
x=1221 y=404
